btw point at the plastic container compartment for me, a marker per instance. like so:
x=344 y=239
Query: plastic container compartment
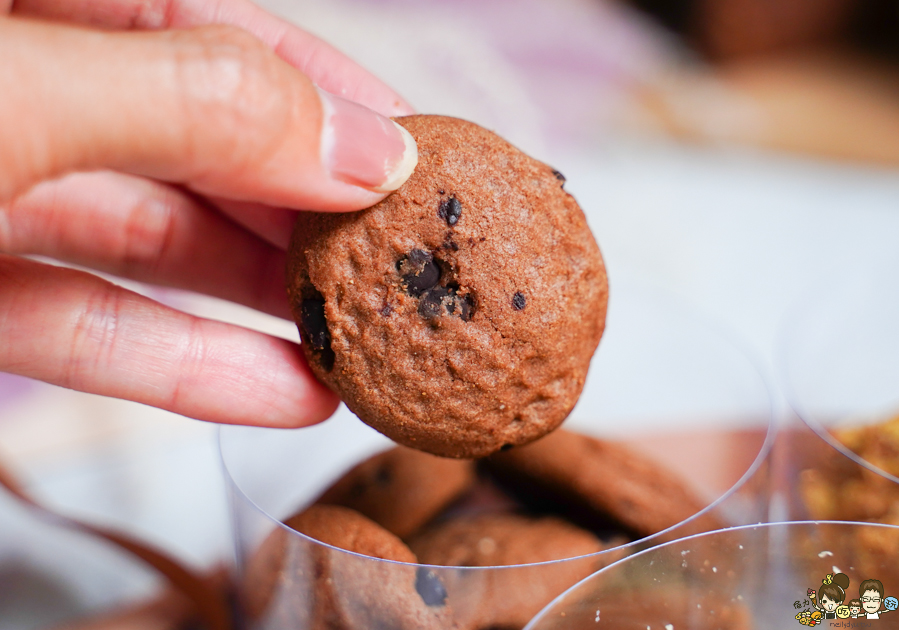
x=662 y=382
x=839 y=458
x=757 y=576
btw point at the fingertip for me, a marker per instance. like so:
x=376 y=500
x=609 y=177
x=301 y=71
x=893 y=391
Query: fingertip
x=363 y=148
x=403 y=168
x=320 y=404
x=304 y=400
x=401 y=108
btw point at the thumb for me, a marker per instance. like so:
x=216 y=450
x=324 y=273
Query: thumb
x=211 y=108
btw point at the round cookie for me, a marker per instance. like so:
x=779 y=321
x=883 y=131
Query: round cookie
x=509 y=597
x=458 y=315
x=598 y=480
x=401 y=489
x=502 y=539
x=292 y=582
x=347 y=529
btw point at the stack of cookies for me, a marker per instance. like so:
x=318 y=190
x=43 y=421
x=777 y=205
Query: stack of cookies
x=567 y=497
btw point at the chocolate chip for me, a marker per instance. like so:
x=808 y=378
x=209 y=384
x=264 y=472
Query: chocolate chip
x=452 y=301
x=383 y=476
x=449 y=243
x=559 y=176
x=450 y=210
x=326 y=359
x=419 y=272
x=441 y=191
x=440 y=300
x=386 y=310
x=461 y=305
x=312 y=316
x=429 y=587
x=315 y=330
x=465 y=306
x=434 y=302
x=519 y=301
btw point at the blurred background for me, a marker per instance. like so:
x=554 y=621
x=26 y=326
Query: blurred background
x=738 y=155
x=732 y=152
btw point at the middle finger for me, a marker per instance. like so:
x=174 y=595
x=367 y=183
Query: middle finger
x=146 y=231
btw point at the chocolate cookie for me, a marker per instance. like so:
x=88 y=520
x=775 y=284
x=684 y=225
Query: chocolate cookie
x=292 y=582
x=458 y=315
x=599 y=482
x=347 y=529
x=402 y=489
x=508 y=598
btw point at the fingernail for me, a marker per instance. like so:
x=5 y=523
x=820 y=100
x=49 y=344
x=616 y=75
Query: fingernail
x=363 y=148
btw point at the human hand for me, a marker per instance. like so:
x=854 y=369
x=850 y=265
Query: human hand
x=168 y=151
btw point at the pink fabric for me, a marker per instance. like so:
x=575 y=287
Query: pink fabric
x=580 y=60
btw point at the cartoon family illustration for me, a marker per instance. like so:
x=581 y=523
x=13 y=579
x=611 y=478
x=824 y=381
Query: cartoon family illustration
x=830 y=601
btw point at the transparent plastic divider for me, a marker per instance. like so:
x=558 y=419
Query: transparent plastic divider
x=663 y=383
x=838 y=456
x=748 y=577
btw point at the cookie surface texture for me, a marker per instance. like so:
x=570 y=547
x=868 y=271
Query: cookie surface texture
x=458 y=315
x=292 y=582
x=402 y=489
x=602 y=480
x=508 y=598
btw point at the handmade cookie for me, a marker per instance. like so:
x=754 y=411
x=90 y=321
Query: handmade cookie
x=292 y=582
x=599 y=482
x=347 y=529
x=402 y=489
x=458 y=316
x=510 y=597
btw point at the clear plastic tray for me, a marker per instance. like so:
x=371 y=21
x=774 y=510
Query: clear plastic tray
x=662 y=382
x=750 y=577
x=839 y=456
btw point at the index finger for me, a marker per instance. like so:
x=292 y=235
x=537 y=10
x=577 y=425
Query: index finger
x=328 y=68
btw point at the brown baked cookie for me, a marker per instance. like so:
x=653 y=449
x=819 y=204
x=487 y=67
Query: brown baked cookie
x=292 y=582
x=597 y=482
x=347 y=529
x=402 y=489
x=509 y=597
x=459 y=315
